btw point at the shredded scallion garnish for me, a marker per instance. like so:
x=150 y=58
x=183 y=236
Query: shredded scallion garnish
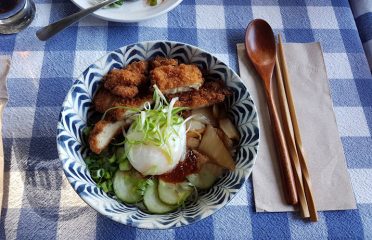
x=155 y=126
x=119 y=3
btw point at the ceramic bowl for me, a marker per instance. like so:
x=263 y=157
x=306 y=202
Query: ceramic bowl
x=72 y=147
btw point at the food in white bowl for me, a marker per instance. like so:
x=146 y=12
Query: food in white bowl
x=162 y=134
x=130 y=10
x=76 y=115
x=119 y=3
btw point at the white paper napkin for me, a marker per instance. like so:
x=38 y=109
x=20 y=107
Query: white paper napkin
x=317 y=122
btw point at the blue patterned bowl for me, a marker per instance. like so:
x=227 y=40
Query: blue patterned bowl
x=72 y=147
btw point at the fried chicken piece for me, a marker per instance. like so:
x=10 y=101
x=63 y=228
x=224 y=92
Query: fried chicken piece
x=124 y=82
x=162 y=61
x=125 y=91
x=139 y=67
x=104 y=100
x=210 y=93
x=173 y=79
x=105 y=130
x=102 y=134
x=121 y=113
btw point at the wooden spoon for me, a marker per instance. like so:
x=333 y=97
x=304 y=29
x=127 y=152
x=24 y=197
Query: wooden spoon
x=261 y=49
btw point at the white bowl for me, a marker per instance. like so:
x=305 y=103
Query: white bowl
x=72 y=146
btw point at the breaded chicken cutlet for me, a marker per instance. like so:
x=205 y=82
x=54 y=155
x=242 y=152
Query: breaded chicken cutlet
x=174 y=79
x=119 y=113
x=125 y=82
x=102 y=134
x=104 y=99
x=208 y=94
x=162 y=61
x=105 y=130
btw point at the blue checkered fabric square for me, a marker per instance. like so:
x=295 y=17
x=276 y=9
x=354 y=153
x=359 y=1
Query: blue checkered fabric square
x=362 y=10
x=39 y=202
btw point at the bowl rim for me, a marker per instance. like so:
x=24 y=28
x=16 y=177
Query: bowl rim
x=106 y=17
x=246 y=174
x=13 y=11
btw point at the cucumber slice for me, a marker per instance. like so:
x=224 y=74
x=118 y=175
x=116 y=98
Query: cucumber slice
x=152 y=201
x=126 y=186
x=174 y=193
x=207 y=175
x=121 y=157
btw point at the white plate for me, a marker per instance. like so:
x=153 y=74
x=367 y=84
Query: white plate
x=130 y=11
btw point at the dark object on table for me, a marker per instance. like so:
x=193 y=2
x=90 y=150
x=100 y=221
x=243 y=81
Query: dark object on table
x=15 y=15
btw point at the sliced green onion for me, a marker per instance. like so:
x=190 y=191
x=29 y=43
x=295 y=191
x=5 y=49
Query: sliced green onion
x=104 y=186
x=87 y=130
x=125 y=166
x=120 y=154
x=153 y=2
x=155 y=125
x=112 y=159
x=170 y=108
x=129 y=109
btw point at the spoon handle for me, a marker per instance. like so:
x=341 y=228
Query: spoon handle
x=289 y=186
x=50 y=30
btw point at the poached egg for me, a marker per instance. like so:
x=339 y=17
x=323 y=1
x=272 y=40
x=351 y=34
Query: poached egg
x=151 y=159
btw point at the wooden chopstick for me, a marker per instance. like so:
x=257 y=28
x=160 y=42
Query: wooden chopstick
x=288 y=133
x=297 y=135
x=2 y=106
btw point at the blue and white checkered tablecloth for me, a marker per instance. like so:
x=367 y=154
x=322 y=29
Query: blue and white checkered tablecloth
x=362 y=10
x=40 y=204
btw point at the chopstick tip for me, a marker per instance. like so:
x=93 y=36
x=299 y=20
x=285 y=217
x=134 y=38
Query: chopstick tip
x=279 y=38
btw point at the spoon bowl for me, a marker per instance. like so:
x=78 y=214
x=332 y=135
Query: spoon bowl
x=261 y=47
